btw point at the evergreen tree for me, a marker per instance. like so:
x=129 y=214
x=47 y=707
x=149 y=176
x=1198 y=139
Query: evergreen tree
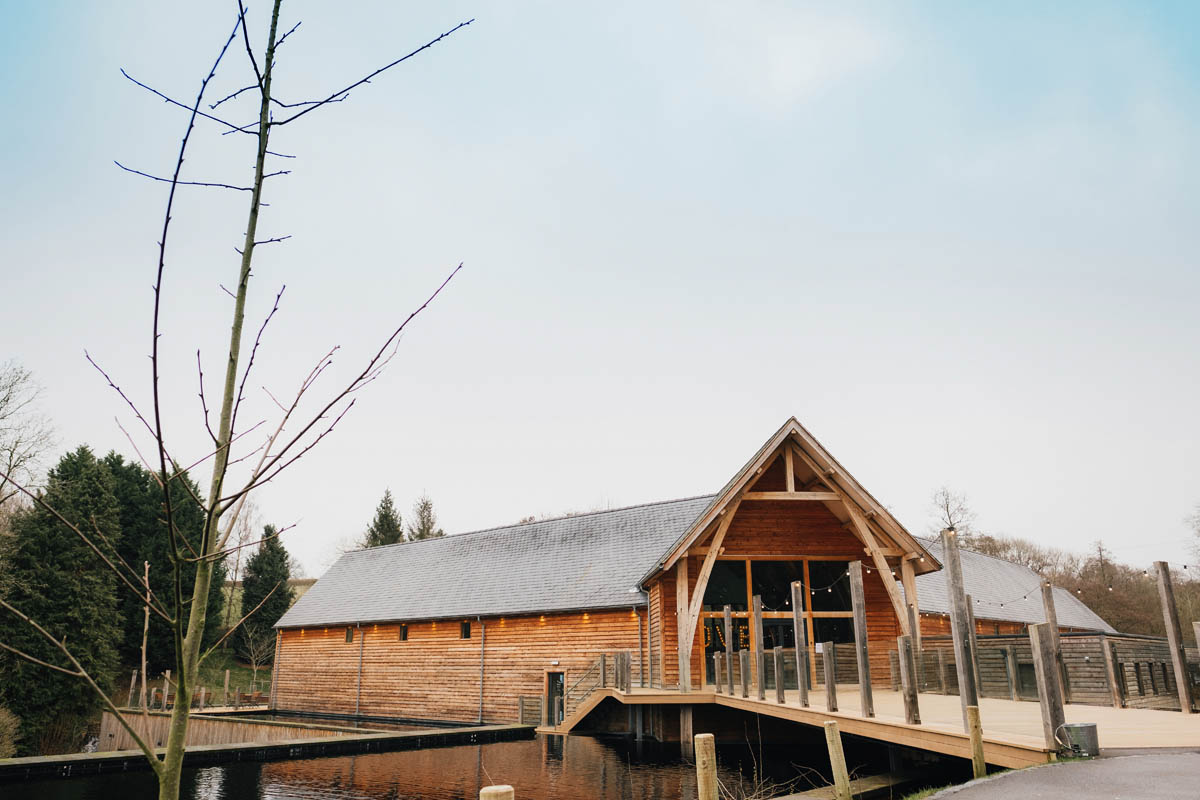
x=144 y=537
x=267 y=569
x=387 y=527
x=56 y=579
x=425 y=526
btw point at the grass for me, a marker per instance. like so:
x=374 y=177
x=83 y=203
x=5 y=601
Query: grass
x=212 y=676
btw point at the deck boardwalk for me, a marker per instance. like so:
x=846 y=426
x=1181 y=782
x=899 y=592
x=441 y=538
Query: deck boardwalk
x=1012 y=729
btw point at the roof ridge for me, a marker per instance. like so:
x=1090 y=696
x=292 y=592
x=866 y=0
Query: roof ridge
x=534 y=522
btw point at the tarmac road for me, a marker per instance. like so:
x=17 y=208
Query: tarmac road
x=1161 y=776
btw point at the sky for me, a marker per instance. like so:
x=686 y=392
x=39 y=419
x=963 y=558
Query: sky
x=958 y=242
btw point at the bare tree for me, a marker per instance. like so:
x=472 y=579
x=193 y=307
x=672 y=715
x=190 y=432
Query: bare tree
x=951 y=510
x=259 y=649
x=24 y=433
x=243 y=527
x=1193 y=522
x=281 y=441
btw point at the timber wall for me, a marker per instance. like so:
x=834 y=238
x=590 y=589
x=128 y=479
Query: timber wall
x=435 y=674
x=153 y=727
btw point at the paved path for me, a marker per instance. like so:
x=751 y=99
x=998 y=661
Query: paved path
x=1163 y=776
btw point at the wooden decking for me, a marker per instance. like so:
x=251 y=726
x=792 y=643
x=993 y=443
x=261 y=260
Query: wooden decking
x=1012 y=729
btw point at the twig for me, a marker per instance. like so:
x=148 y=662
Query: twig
x=175 y=182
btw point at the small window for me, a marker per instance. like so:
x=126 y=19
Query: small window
x=349 y=634
x=465 y=630
x=403 y=635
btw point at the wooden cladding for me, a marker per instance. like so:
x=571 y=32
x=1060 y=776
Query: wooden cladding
x=427 y=671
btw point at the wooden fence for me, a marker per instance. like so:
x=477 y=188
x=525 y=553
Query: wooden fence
x=153 y=727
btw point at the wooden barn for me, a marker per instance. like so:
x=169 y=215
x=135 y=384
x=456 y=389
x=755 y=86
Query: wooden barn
x=458 y=628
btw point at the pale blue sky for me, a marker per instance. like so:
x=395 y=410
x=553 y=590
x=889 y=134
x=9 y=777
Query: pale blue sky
x=958 y=243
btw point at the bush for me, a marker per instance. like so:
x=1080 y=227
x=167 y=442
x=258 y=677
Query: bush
x=10 y=731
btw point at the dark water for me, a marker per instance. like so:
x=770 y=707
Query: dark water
x=541 y=769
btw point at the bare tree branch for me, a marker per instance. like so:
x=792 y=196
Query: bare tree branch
x=183 y=183
x=245 y=617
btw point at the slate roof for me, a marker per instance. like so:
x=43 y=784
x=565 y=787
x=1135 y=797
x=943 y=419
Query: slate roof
x=579 y=562
x=991 y=581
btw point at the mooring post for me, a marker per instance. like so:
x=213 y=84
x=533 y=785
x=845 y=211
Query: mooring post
x=1110 y=672
x=837 y=761
x=974 y=645
x=975 y=728
x=706 y=767
x=686 y=741
x=800 y=634
x=760 y=666
x=780 y=691
x=967 y=691
x=504 y=792
x=1049 y=692
x=828 y=659
x=859 y=604
x=1010 y=670
x=1166 y=593
x=728 y=613
x=907 y=662
x=132 y=685
x=744 y=663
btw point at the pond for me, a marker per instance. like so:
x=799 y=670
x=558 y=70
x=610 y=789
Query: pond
x=541 y=768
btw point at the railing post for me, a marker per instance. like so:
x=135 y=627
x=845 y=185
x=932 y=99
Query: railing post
x=760 y=666
x=837 y=761
x=1166 y=593
x=941 y=669
x=1049 y=692
x=718 y=678
x=780 y=691
x=706 y=767
x=959 y=625
x=728 y=613
x=907 y=663
x=975 y=729
x=744 y=663
x=828 y=658
x=520 y=709
x=859 y=604
x=1010 y=671
x=1110 y=672
x=603 y=671
x=628 y=671
x=800 y=634
x=974 y=645
x=1055 y=639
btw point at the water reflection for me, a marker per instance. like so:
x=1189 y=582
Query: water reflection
x=542 y=768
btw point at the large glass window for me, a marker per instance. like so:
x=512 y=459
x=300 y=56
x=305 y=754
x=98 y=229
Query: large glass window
x=772 y=580
x=726 y=586
x=830 y=586
x=833 y=629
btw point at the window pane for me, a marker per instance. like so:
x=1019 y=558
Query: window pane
x=778 y=633
x=714 y=641
x=726 y=585
x=831 y=585
x=837 y=630
x=773 y=581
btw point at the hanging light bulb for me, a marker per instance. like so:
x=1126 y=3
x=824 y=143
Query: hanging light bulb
x=1110 y=588
x=830 y=590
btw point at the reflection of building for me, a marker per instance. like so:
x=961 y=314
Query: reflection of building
x=456 y=628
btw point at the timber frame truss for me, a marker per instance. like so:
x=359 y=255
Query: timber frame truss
x=811 y=475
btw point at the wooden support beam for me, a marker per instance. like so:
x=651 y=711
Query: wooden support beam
x=908 y=578
x=885 y=572
x=975 y=729
x=686 y=742
x=859 y=605
x=681 y=617
x=760 y=665
x=1166 y=593
x=906 y=657
x=959 y=630
x=729 y=646
x=1110 y=672
x=1049 y=692
x=1055 y=639
x=789 y=469
x=792 y=495
x=800 y=633
x=837 y=761
x=829 y=662
x=706 y=568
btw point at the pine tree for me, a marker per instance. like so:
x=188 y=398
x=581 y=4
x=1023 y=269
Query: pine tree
x=54 y=578
x=267 y=569
x=387 y=527
x=425 y=526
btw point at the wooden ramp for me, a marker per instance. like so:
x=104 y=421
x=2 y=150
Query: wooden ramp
x=1012 y=729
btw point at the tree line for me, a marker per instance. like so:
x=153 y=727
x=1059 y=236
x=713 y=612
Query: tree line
x=388 y=528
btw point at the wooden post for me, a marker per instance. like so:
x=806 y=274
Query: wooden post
x=520 y=709
x=827 y=660
x=504 y=792
x=628 y=671
x=729 y=646
x=1110 y=672
x=237 y=697
x=718 y=681
x=908 y=678
x=978 y=765
x=132 y=685
x=908 y=578
x=744 y=663
x=706 y=767
x=800 y=633
x=603 y=671
x=686 y=742
x=1010 y=670
x=1056 y=641
x=837 y=761
x=974 y=644
x=967 y=691
x=1049 y=692
x=225 y=694
x=642 y=649
x=1166 y=594
x=203 y=692
x=166 y=688
x=941 y=668
x=558 y=710
x=760 y=665
x=683 y=614
x=780 y=695
x=859 y=604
